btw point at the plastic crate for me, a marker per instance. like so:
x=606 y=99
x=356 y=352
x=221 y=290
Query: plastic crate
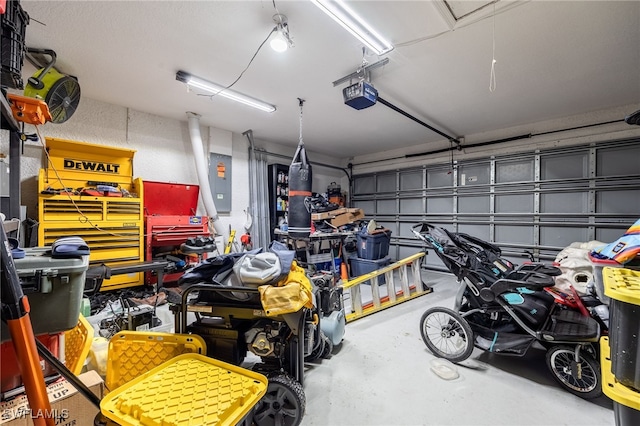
x=623 y=287
x=598 y=265
x=133 y=353
x=54 y=288
x=626 y=402
x=189 y=389
x=13 y=25
x=77 y=343
x=364 y=266
x=373 y=246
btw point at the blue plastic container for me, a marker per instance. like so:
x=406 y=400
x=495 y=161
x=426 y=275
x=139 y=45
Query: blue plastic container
x=373 y=246
x=364 y=266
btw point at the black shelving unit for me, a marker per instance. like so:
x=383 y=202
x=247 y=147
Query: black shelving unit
x=278 y=195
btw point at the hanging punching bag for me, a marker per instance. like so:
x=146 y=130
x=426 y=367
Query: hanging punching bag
x=299 y=190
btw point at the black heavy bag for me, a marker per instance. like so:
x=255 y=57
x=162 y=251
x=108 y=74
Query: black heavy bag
x=299 y=190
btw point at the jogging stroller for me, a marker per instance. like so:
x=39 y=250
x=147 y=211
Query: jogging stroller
x=504 y=309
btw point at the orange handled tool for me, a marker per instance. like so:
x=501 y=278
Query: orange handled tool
x=15 y=311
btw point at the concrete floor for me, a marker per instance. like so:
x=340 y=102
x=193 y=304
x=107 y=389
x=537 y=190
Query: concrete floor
x=381 y=375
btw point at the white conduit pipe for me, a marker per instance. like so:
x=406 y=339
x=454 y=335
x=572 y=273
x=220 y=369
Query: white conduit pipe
x=201 y=169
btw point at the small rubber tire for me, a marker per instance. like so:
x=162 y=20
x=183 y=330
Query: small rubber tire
x=283 y=404
x=328 y=347
x=446 y=334
x=589 y=386
x=319 y=348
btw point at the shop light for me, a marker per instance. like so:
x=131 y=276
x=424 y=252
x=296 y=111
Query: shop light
x=358 y=27
x=219 y=90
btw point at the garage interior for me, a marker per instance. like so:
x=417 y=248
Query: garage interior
x=514 y=122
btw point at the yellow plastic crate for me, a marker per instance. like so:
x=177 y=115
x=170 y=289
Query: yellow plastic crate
x=622 y=284
x=187 y=390
x=133 y=353
x=610 y=386
x=77 y=343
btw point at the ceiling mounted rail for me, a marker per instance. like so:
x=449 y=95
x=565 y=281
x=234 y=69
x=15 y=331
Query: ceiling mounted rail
x=417 y=120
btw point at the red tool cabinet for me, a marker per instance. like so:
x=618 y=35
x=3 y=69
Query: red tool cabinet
x=169 y=220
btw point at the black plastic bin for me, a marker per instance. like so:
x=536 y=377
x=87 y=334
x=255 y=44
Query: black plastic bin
x=623 y=287
x=626 y=401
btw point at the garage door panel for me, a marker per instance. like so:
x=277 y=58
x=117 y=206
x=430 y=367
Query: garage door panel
x=618 y=161
x=440 y=205
x=386 y=207
x=517 y=203
x=368 y=207
x=572 y=165
x=411 y=205
x=472 y=175
x=364 y=185
x=515 y=171
x=608 y=235
x=478 y=231
x=479 y=204
x=513 y=234
x=386 y=183
x=538 y=200
x=562 y=236
x=564 y=202
x=619 y=202
x=411 y=180
x=439 y=178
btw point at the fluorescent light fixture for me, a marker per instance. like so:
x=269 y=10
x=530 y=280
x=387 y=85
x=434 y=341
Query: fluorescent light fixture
x=350 y=21
x=218 y=90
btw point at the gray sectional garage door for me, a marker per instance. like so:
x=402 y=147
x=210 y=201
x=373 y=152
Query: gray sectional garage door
x=539 y=201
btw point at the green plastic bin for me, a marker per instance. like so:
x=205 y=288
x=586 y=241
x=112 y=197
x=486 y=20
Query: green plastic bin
x=54 y=288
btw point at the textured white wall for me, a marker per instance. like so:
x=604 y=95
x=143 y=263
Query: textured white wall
x=163 y=153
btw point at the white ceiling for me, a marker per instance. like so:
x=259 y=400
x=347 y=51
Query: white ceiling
x=554 y=59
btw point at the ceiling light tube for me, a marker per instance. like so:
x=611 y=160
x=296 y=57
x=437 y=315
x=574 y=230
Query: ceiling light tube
x=219 y=90
x=349 y=20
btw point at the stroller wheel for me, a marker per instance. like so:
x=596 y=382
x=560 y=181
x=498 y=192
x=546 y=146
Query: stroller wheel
x=446 y=334
x=580 y=378
x=282 y=405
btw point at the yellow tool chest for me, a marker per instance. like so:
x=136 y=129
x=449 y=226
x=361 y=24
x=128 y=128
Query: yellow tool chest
x=75 y=198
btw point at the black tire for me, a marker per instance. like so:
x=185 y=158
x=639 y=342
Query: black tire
x=319 y=348
x=283 y=404
x=588 y=386
x=446 y=334
x=328 y=347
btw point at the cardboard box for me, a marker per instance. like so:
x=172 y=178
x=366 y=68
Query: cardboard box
x=339 y=217
x=68 y=406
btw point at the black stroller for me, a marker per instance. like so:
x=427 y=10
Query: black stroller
x=504 y=309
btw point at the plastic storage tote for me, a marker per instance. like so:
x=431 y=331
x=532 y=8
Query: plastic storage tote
x=373 y=246
x=54 y=288
x=364 y=266
x=190 y=389
x=623 y=287
x=626 y=402
x=598 y=265
x=132 y=353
